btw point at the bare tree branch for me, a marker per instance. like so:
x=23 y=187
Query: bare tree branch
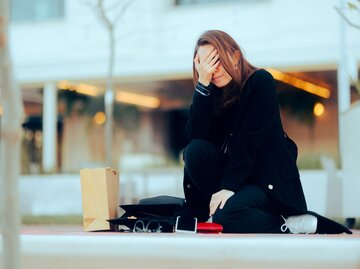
x=114 y=6
x=346 y=18
x=102 y=13
x=122 y=11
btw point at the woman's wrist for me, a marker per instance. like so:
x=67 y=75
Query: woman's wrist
x=202 y=89
x=203 y=82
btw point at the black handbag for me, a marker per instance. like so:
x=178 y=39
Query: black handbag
x=155 y=214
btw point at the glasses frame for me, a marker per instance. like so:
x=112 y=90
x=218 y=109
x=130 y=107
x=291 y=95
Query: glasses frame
x=146 y=228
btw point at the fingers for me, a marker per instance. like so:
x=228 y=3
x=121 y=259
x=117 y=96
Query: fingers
x=214 y=60
x=209 y=58
x=205 y=57
x=214 y=204
x=210 y=64
x=219 y=199
x=206 y=65
x=211 y=55
x=223 y=201
x=213 y=68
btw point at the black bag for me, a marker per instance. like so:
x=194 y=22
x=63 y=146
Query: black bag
x=155 y=214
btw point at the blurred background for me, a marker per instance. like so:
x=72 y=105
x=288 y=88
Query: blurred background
x=60 y=50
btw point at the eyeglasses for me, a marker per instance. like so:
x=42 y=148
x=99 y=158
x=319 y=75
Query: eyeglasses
x=152 y=226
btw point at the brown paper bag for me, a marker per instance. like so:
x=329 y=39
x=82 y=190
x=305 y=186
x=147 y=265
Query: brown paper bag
x=100 y=197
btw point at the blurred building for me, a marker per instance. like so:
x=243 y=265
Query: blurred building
x=60 y=51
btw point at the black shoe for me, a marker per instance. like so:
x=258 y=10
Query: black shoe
x=328 y=226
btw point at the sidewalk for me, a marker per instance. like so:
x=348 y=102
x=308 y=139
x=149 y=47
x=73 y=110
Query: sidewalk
x=62 y=247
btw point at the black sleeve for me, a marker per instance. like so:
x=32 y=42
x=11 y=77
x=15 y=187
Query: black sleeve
x=200 y=122
x=245 y=142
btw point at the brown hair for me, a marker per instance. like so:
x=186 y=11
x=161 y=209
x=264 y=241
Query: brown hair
x=226 y=46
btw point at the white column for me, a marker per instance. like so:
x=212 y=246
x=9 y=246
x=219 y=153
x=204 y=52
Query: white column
x=343 y=80
x=49 y=127
x=346 y=131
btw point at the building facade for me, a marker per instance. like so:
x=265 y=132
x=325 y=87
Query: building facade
x=61 y=53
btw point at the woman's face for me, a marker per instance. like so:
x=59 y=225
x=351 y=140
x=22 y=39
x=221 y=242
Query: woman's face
x=220 y=77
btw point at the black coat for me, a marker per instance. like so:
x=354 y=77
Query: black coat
x=252 y=135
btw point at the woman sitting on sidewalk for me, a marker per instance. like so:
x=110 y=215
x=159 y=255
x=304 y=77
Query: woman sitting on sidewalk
x=240 y=166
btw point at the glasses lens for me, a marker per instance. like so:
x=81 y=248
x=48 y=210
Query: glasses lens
x=139 y=227
x=153 y=227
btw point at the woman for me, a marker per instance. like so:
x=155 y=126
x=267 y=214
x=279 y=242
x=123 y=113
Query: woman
x=240 y=166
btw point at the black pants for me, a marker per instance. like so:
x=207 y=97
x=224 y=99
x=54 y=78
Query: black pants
x=250 y=210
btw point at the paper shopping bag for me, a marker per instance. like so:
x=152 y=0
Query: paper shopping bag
x=100 y=197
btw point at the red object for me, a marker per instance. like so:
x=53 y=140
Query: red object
x=205 y=227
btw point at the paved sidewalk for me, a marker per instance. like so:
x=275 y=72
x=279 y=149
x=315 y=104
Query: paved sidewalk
x=78 y=230
x=54 y=247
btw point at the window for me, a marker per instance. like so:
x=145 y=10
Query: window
x=36 y=10
x=194 y=2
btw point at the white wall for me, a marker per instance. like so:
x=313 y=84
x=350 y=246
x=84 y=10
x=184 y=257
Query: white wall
x=61 y=194
x=156 y=38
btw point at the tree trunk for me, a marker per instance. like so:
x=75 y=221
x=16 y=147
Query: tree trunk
x=109 y=102
x=109 y=92
x=10 y=138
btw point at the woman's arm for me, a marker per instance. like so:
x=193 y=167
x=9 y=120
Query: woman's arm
x=244 y=145
x=200 y=122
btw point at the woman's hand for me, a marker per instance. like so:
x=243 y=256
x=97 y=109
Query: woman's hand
x=206 y=66
x=219 y=198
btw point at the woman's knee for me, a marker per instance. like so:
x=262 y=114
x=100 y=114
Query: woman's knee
x=195 y=151
x=219 y=217
x=227 y=216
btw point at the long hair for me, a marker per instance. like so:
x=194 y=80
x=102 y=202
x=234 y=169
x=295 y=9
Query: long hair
x=226 y=47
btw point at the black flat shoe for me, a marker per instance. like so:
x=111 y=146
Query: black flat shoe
x=328 y=226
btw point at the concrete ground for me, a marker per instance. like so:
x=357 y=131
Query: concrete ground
x=54 y=247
